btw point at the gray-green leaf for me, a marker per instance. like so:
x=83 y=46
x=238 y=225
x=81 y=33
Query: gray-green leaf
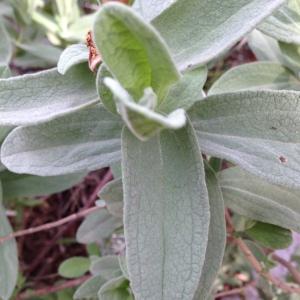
x=86 y=140
x=39 y=97
x=140 y=117
x=133 y=51
x=107 y=266
x=216 y=238
x=16 y=186
x=89 y=289
x=256 y=199
x=72 y=55
x=97 y=226
x=8 y=257
x=166 y=214
x=257 y=75
x=199 y=30
x=74 y=267
x=259 y=130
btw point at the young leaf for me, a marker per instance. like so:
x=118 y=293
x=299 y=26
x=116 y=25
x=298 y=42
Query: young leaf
x=186 y=92
x=265 y=47
x=256 y=129
x=199 y=30
x=72 y=55
x=270 y=236
x=108 y=267
x=257 y=199
x=216 y=238
x=97 y=226
x=166 y=214
x=258 y=75
x=116 y=289
x=89 y=289
x=74 y=267
x=104 y=92
x=16 y=186
x=283 y=24
x=8 y=257
x=86 y=140
x=140 y=117
x=136 y=55
x=112 y=194
x=39 y=97
x=291 y=56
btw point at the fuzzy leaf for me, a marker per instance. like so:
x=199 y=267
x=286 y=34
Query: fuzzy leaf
x=107 y=266
x=39 y=97
x=283 y=24
x=116 y=289
x=140 y=117
x=16 y=186
x=89 y=289
x=8 y=257
x=258 y=75
x=112 y=194
x=136 y=55
x=199 y=30
x=86 y=140
x=97 y=226
x=166 y=214
x=105 y=94
x=257 y=130
x=259 y=200
x=216 y=238
x=5 y=46
x=186 y=92
x=72 y=55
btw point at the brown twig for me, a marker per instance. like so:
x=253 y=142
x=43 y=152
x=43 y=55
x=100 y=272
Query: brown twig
x=294 y=272
x=48 y=226
x=256 y=264
x=48 y=290
x=237 y=291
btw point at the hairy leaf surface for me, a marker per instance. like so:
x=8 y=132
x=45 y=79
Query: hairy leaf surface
x=166 y=214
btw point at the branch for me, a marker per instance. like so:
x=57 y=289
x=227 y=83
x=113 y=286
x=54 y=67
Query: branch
x=256 y=264
x=237 y=291
x=48 y=290
x=51 y=225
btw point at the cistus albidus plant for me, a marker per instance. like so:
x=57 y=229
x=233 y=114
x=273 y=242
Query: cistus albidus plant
x=149 y=113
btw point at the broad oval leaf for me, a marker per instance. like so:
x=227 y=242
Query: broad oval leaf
x=166 y=214
x=16 y=186
x=116 y=289
x=72 y=55
x=140 y=117
x=197 y=31
x=89 y=289
x=8 y=257
x=256 y=199
x=107 y=266
x=283 y=24
x=74 y=267
x=258 y=130
x=258 y=75
x=216 y=238
x=97 y=226
x=112 y=194
x=136 y=55
x=86 y=140
x=45 y=95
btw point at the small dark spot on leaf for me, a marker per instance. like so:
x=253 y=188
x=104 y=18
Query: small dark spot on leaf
x=273 y=128
x=283 y=159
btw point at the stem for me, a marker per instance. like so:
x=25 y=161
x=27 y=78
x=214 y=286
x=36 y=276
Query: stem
x=256 y=264
x=51 y=225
